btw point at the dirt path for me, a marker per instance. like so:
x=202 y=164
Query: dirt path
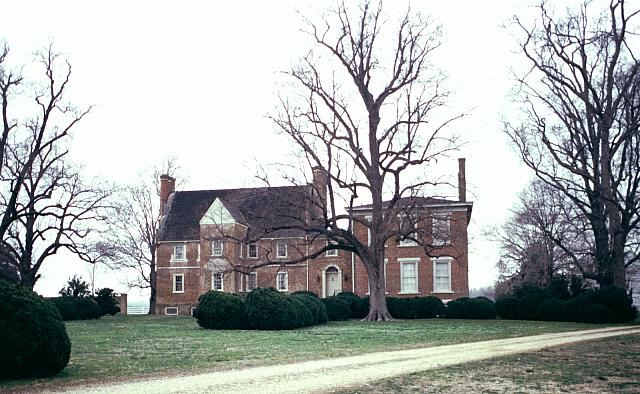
x=323 y=375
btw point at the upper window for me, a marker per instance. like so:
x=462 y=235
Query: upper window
x=217 y=282
x=332 y=252
x=252 y=281
x=442 y=275
x=178 y=283
x=217 y=247
x=252 y=250
x=441 y=229
x=409 y=277
x=408 y=224
x=179 y=253
x=281 y=249
x=282 y=281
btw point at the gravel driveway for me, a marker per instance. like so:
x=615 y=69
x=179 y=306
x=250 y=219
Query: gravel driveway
x=324 y=375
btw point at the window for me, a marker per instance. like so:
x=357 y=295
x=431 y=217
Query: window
x=179 y=253
x=252 y=251
x=332 y=252
x=217 y=247
x=281 y=250
x=217 y=281
x=282 y=281
x=171 y=311
x=440 y=229
x=178 y=283
x=409 y=276
x=407 y=224
x=252 y=281
x=442 y=275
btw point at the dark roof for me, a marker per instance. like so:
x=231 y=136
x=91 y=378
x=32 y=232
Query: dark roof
x=417 y=202
x=258 y=208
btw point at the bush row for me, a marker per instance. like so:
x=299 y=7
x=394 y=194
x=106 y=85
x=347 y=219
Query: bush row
x=347 y=305
x=33 y=337
x=470 y=308
x=606 y=305
x=262 y=309
x=86 y=308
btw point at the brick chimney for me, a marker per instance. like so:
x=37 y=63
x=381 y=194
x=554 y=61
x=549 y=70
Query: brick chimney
x=167 y=186
x=320 y=185
x=462 y=181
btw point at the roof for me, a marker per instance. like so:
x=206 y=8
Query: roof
x=418 y=202
x=257 y=208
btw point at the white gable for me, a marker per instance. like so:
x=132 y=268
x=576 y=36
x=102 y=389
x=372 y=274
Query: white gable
x=217 y=214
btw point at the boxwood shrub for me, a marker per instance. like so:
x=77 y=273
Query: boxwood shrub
x=551 y=309
x=218 y=310
x=337 y=308
x=619 y=303
x=66 y=307
x=455 y=308
x=507 y=307
x=33 y=337
x=317 y=308
x=268 y=309
x=596 y=313
x=359 y=307
x=427 y=307
x=305 y=292
x=302 y=313
x=77 y=308
x=479 y=308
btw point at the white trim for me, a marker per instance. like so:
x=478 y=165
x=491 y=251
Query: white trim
x=179 y=268
x=416 y=262
x=171 y=314
x=173 y=258
x=286 y=280
x=441 y=259
x=198 y=258
x=213 y=248
x=451 y=206
x=324 y=278
x=240 y=250
x=193 y=308
x=217 y=214
x=286 y=250
x=241 y=288
x=221 y=281
x=179 y=241
x=173 y=288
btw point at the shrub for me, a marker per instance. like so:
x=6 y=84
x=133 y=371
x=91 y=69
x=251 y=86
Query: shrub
x=306 y=292
x=400 y=308
x=107 y=302
x=303 y=314
x=572 y=310
x=455 y=308
x=619 y=303
x=337 y=308
x=596 y=313
x=87 y=308
x=33 y=338
x=359 y=307
x=550 y=309
x=479 y=308
x=507 y=307
x=66 y=307
x=312 y=303
x=559 y=287
x=426 y=307
x=218 y=310
x=530 y=301
x=268 y=309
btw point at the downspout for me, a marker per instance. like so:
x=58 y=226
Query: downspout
x=306 y=241
x=353 y=264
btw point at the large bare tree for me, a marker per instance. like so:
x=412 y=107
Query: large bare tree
x=46 y=205
x=363 y=112
x=132 y=240
x=581 y=110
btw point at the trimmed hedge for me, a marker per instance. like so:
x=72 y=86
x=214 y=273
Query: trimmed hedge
x=305 y=292
x=427 y=307
x=338 y=308
x=479 y=308
x=596 y=313
x=77 y=308
x=268 y=309
x=218 y=310
x=302 y=313
x=550 y=309
x=507 y=307
x=317 y=308
x=455 y=308
x=33 y=337
x=359 y=306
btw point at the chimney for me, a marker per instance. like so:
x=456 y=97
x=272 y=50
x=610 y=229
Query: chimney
x=167 y=186
x=320 y=186
x=462 y=181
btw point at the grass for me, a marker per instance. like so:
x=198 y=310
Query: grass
x=114 y=348
x=609 y=365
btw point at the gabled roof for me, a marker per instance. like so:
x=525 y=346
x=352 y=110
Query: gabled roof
x=418 y=202
x=257 y=208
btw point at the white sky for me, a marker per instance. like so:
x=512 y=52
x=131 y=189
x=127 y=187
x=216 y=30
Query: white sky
x=195 y=80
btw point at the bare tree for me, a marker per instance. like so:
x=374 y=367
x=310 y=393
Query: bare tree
x=580 y=128
x=132 y=240
x=46 y=205
x=365 y=121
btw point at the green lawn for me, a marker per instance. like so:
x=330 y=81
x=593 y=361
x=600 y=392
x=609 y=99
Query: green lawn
x=123 y=346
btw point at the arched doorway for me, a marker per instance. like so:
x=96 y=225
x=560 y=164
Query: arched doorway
x=332 y=281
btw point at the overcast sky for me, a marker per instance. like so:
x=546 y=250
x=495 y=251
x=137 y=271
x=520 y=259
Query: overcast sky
x=195 y=80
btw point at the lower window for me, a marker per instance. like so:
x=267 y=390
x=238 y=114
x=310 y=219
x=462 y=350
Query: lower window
x=252 y=281
x=217 y=282
x=282 y=281
x=171 y=311
x=442 y=275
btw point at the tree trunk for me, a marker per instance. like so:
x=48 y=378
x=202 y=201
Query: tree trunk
x=28 y=280
x=377 y=298
x=152 y=286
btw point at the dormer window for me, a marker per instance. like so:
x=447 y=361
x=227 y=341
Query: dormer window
x=179 y=253
x=252 y=250
x=281 y=250
x=217 y=247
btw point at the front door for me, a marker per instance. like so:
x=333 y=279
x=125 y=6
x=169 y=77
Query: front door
x=333 y=281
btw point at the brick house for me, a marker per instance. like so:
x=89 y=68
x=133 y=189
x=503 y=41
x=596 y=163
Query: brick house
x=205 y=232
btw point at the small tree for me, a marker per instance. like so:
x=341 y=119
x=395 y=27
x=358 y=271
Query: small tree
x=76 y=288
x=107 y=301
